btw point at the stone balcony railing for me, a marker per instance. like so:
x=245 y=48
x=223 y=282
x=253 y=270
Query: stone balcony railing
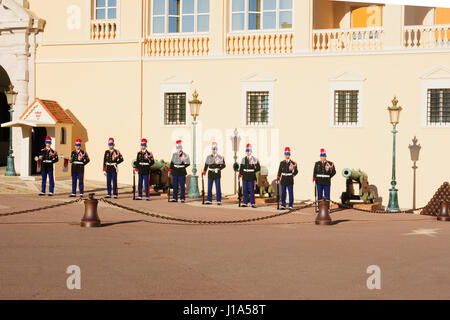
x=259 y=43
x=344 y=40
x=177 y=45
x=426 y=37
x=104 y=29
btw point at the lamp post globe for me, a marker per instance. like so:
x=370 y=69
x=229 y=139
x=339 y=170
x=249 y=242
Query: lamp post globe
x=394 y=118
x=11 y=96
x=195 y=105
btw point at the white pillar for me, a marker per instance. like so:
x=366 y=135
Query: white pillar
x=25 y=147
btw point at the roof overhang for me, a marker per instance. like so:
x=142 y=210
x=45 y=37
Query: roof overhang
x=26 y=123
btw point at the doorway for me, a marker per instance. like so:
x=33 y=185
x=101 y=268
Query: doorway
x=4 y=116
x=38 y=136
x=4 y=132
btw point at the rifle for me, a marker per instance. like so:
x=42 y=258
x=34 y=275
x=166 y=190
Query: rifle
x=315 y=197
x=134 y=184
x=203 y=190
x=278 y=195
x=168 y=188
x=239 y=191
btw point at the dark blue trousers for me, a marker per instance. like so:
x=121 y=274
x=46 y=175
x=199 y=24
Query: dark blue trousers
x=143 y=180
x=51 y=181
x=290 y=189
x=111 y=177
x=179 y=180
x=218 y=191
x=80 y=178
x=323 y=189
x=249 y=186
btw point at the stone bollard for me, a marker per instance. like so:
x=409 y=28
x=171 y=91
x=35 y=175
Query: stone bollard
x=90 y=218
x=323 y=217
x=443 y=214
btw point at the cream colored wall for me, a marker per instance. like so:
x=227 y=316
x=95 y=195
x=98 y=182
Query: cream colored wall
x=57 y=23
x=103 y=95
x=108 y=105
x=103 y=99
x=302 y=115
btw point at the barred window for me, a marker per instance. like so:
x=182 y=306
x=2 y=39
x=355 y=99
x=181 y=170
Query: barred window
x=175 y=108
x=438 y=106
x=346 y=107
x=257 y=107
x=105 y=9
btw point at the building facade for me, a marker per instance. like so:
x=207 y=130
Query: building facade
x=307 y=74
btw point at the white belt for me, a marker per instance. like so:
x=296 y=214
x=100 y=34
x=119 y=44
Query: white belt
x=214 y=170
x=144 y=163
x=78 y=162
x=323 y=175
x=249 y=170
x=47 y=161
x=286 y=174
x=178 y=166
x=111 y=164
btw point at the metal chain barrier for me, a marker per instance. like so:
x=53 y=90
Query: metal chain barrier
x=374 y=211
x=160 y=216
x=165 y=217
x=41 y=208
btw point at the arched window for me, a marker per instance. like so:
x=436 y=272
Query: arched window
x=63 y=135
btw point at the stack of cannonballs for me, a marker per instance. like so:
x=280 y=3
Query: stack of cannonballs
x=434 y=206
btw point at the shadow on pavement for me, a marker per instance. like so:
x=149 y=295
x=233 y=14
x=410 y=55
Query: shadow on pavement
x=339 y=221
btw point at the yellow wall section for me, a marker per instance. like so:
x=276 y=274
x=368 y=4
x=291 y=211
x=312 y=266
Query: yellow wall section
x=442 y=16
x=367 y=16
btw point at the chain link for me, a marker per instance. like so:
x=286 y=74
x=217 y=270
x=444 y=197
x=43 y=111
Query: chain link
x=41 y=208
x=160 y=216
x=374 y=211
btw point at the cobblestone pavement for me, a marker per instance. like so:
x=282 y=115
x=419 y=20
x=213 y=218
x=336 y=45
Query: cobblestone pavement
x=137 y=257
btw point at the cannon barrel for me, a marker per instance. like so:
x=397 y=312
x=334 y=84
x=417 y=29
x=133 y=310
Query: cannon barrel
x=353 y=174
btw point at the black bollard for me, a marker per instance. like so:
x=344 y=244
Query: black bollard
x=443 y=214
x=90 y=218
x=323 y=217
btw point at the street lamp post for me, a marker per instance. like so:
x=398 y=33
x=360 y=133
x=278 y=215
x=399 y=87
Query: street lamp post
x=11 y=99
x=235 y=141
x=414 y=149
x=195 y=105
x=394 y=116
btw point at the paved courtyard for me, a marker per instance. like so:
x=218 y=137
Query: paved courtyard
x=133 y=256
